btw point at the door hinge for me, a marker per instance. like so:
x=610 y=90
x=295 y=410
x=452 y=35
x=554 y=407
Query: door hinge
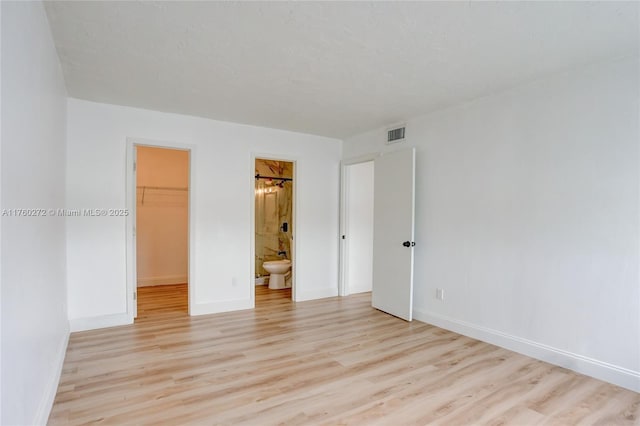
x=134 y=165
x=135 y=295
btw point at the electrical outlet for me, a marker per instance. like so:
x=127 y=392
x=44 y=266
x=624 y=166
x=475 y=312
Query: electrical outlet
x=439 y=294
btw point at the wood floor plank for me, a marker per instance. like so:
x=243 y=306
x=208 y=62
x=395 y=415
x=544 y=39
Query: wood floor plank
x=323 y=362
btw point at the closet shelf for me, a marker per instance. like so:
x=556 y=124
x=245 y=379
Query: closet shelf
x=159 y=188
x=170 y=188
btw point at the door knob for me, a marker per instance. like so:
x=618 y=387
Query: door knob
x=409 y=244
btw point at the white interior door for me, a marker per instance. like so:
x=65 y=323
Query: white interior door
x=393 y=233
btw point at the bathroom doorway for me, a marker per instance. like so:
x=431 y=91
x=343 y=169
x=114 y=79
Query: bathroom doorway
x=274 y=229
x=162 y=231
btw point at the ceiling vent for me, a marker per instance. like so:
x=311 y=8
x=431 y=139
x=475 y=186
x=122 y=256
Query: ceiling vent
x=395 y=135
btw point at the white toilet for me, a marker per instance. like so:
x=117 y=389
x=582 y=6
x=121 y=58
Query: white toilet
x=278 y=271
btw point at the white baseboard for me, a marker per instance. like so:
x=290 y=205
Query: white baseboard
x=321 y=293
x=359 y=290
x=620 y=376
x=44 y=408
x=168 y=280
x=217 y=307
x=92 y=323
x=264 y=280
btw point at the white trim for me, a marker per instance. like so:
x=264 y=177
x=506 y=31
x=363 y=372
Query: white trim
x=361 y=158
x=102 y=321
x=252 y=231
x=223 y=306
x=131 y=218
x=130 y=203
x=46 y=403
x=252 y=219
x=343 y=250
x=168 y=280
x=343 y=266
x=316 y=294
x=620 y=376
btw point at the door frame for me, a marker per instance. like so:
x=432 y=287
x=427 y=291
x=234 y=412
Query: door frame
x=344 y=194
x=294 y=219
x=131 y=204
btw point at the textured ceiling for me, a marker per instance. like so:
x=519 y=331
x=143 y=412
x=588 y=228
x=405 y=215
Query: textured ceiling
x=327 y=68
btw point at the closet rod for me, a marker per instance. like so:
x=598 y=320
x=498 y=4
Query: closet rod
x=274 y=178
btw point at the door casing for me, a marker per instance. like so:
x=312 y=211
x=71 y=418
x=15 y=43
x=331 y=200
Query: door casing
x=348 y=236
x=294 y=220
x=343 y=268
x=130 y=194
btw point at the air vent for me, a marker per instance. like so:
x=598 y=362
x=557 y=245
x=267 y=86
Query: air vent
x=395 y=135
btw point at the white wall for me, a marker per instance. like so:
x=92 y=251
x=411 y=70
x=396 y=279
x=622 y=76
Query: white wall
x=34 y=309
x=222 y=187
x=359 y=227
x=162 y=216
x=527 y=215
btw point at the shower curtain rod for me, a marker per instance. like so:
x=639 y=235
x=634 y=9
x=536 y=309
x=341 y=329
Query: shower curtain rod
x=273 y=178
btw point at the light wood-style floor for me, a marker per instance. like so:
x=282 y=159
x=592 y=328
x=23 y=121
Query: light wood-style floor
x=331 y=361
x=162 y=300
